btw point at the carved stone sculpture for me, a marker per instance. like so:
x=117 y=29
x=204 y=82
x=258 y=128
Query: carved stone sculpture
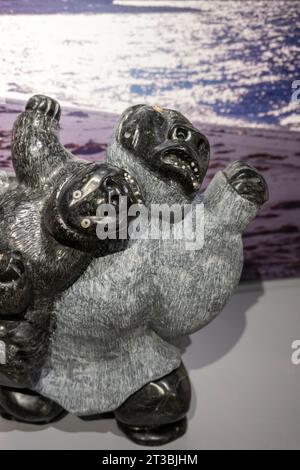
x=113 y=320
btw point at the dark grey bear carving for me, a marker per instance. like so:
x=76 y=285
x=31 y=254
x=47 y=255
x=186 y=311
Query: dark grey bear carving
x=45 y=243
x=111 y=349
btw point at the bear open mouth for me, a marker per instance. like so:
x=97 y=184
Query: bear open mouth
x=184 y=164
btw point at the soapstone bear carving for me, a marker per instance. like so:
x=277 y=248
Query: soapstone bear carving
x=112 y=346
x=47 y=237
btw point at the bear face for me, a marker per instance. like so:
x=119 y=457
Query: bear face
x=70 y=214
x=165 y=142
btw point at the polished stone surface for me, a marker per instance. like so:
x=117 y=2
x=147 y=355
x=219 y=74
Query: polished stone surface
x=156 y=414
x=26 y=406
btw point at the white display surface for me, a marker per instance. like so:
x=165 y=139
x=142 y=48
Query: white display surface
x=246 y=390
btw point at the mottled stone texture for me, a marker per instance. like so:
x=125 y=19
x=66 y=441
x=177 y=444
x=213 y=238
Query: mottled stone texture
x=33 y=266
x=114 y=323
x=43 y=245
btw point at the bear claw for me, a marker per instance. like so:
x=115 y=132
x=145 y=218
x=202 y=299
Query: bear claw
x=44 y=105
x=247 y=182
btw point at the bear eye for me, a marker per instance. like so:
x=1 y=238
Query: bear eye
x=180 y=133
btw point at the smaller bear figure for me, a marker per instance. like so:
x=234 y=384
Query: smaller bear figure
x=47 y=236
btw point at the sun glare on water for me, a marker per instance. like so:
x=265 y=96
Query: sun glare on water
x=231 y=62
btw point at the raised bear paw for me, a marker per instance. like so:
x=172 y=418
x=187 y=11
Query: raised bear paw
x=44 y=105
x=247 y=182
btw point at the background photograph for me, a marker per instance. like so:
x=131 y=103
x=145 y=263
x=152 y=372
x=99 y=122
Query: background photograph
x=230 y=66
